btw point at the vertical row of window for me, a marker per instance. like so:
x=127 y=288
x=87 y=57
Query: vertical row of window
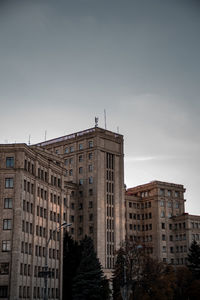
x=110 y=209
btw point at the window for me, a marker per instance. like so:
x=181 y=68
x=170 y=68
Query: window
x=162 y=192
x=90 y=204
x=91 y=229
x=163 y=225
x=66 y=162
x=169 y=215
x=8 y=203
x=176 y=194
x=4 y=268
x=80 y=158
x=70 y=172
x=162 y=214
x=66 y=150
x=169 y=193
x=6 y=246
x=80 y=146
x=8 y=183
x=9 y=162
x=71 y=149
x=81 y=181
x=163 y=237
x=176 y=205
x=71 y=160
x=3 y=291
x=90 y=180
x=161 y=203
x=7 y=224
x=80 y=170
x=90 y=192
x=164 y=249
x=90 y=155
x=90 y=168
x=169 y=204
x=90 y=144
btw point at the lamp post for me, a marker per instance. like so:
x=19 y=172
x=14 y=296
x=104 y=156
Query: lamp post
x=46 y=273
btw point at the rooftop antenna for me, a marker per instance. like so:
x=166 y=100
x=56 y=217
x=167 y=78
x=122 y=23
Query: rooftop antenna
x=96 y=121
x=105 y=118
x=29 y=139
x=45 y=135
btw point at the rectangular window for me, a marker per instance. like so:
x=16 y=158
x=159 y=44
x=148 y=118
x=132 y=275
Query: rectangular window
x=71 y=149
x=80 y=146
x=80 y=158
x=3 y=291
x=7 y=224
x=9 y=162
x=162 y=192
x=8 y=203
x=90 y=180
x=176 y=194
x=6 y=246
x=90 y=156
x=80 y=170
x=9 y=183
x=4 y=268
x=91 y=144
x=90 y=168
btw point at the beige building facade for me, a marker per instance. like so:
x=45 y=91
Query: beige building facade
x=156 y=218
x=79 y=179
x=33 y=203
x=94 y=161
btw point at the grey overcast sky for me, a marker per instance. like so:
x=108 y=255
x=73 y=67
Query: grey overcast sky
x=63 y=62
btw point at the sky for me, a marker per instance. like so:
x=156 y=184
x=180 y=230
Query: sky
x=62 y=62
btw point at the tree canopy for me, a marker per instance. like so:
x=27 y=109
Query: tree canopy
x=87 y=281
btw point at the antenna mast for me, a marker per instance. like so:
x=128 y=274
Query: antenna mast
x=105 y=118
x=29 y=139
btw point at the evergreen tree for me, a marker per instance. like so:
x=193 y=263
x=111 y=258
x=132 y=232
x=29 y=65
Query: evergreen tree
x=71 y=261
x=194 y=259
x=118 y=275
x=89 y=282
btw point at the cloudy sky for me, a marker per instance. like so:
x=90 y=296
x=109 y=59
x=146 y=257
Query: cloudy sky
x=62 y=62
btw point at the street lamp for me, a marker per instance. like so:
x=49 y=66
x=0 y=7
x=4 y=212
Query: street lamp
x=46 y=273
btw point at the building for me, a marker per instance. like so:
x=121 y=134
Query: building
x=156 y=218
x=79 y=179
x=94 y=161
x=33 y=203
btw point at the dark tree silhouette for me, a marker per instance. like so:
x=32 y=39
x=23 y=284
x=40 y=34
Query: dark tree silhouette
x=71 y=261
x=89 y=282
x=194 y=259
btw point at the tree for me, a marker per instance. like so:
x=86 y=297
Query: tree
x=145 y=278
x=89 y=282
x=155 y=282
x=118 y=274
x=127 y=268
x=71 y=261
x=194 y=259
